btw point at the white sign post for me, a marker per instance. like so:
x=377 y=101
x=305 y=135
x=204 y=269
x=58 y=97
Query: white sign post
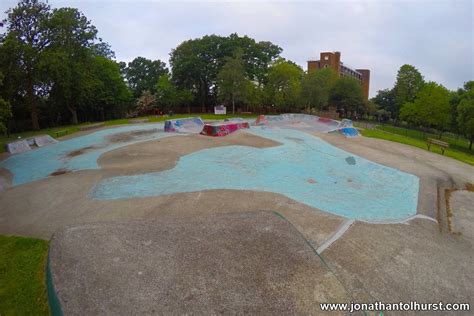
x=220 y=109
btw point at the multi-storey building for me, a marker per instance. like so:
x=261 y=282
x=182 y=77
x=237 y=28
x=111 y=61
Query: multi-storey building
x=333 y=60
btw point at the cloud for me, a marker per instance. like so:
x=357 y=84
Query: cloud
x=434 y=36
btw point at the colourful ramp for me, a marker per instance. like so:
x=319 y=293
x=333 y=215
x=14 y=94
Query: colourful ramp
x=193 y=125
x=223 y=128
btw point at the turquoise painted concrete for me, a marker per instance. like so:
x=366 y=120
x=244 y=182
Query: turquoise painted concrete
x=40 y=163
x=303 y=168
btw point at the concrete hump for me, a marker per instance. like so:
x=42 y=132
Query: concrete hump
x=192 y=125
x=237 y=263
x=17 y=147
x=44 y=140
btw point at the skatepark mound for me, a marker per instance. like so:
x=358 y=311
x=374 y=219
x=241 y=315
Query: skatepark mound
x=349 y=131
x=223 y=128
x=259 y=264
x=23 y=145
x=192 y=125
x=306 y=122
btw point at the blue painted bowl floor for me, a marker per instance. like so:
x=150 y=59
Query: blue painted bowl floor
x=304 y=168
x=40 y=163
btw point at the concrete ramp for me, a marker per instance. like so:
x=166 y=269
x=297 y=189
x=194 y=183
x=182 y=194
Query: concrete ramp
x=349 y=131
x=223 y=128
x=241 y=263
x=193 y=125
x=19 y=146
x=44 y=140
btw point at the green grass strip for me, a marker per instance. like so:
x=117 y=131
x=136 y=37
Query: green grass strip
x=451 y=152
x=22 y=276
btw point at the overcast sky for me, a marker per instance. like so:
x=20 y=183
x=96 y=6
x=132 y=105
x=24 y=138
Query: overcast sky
x=435 y=36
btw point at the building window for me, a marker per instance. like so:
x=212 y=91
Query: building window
x=326 y=57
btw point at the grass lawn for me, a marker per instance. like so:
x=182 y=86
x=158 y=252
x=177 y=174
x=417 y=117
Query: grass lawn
x=22 y=276
x=457 y=152
x=71 y=129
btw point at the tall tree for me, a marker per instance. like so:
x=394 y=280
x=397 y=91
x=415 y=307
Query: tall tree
x=347 y=96
x=430 y=108
x=168 y=96
x=27 y=31
x=197 y=62
x=142 y=74
x=5 y=110
x=107 y=92
x=385 y=100
x=284 y=85
x=465 y=112
x=409 y=82
x=315 y=88
x=69 y=56
x=232 y=83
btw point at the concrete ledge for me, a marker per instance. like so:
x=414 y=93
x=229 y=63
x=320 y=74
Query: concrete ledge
x=231 y=263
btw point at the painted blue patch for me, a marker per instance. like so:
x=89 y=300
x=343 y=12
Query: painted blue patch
x=40 y=163
x=349 y=131
x=303 y=168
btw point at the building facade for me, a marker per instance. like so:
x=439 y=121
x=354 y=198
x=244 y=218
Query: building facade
x=333 y=60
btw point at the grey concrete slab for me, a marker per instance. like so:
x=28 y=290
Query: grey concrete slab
x=462 y=208
x=404 y=262
x=254 y=262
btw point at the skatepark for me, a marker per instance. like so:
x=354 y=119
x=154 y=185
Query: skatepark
x=274 y=216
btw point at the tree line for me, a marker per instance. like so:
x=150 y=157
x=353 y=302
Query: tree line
x=54 y=70
x=427 y=104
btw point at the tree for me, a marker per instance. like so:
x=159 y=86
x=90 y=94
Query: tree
x=5 y=110
x=385 y=100
x=168 y=96
x=315 y=88
x=347 y=96
x=232 y=83
x=408 y=84
x=145 y=102
x=69 y=56
x=196 y=63
x=430 y=108
x=142 y=74
x=27 y=31
x=284 y=85
x=108 y=93
x=465 y=112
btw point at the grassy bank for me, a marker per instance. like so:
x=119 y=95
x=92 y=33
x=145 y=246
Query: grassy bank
x=71 y=129
x=22 y=276
x=412 y=138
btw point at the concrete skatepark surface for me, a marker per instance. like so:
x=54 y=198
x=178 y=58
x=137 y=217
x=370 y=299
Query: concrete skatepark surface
x=420 y=259
x=230 y=263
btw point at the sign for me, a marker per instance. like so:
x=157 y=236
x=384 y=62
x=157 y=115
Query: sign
x=220 y=109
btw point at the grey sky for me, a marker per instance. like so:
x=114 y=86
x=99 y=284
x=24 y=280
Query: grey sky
x=435 y=36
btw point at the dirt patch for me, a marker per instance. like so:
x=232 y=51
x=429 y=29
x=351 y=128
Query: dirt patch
x=469 y=187
x=129 y=136
x=6 y=178
x=80 y=151
x=163 y=154
x=59 y=172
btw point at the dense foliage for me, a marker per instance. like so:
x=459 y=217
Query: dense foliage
x=56 y=71
x=427 y=105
